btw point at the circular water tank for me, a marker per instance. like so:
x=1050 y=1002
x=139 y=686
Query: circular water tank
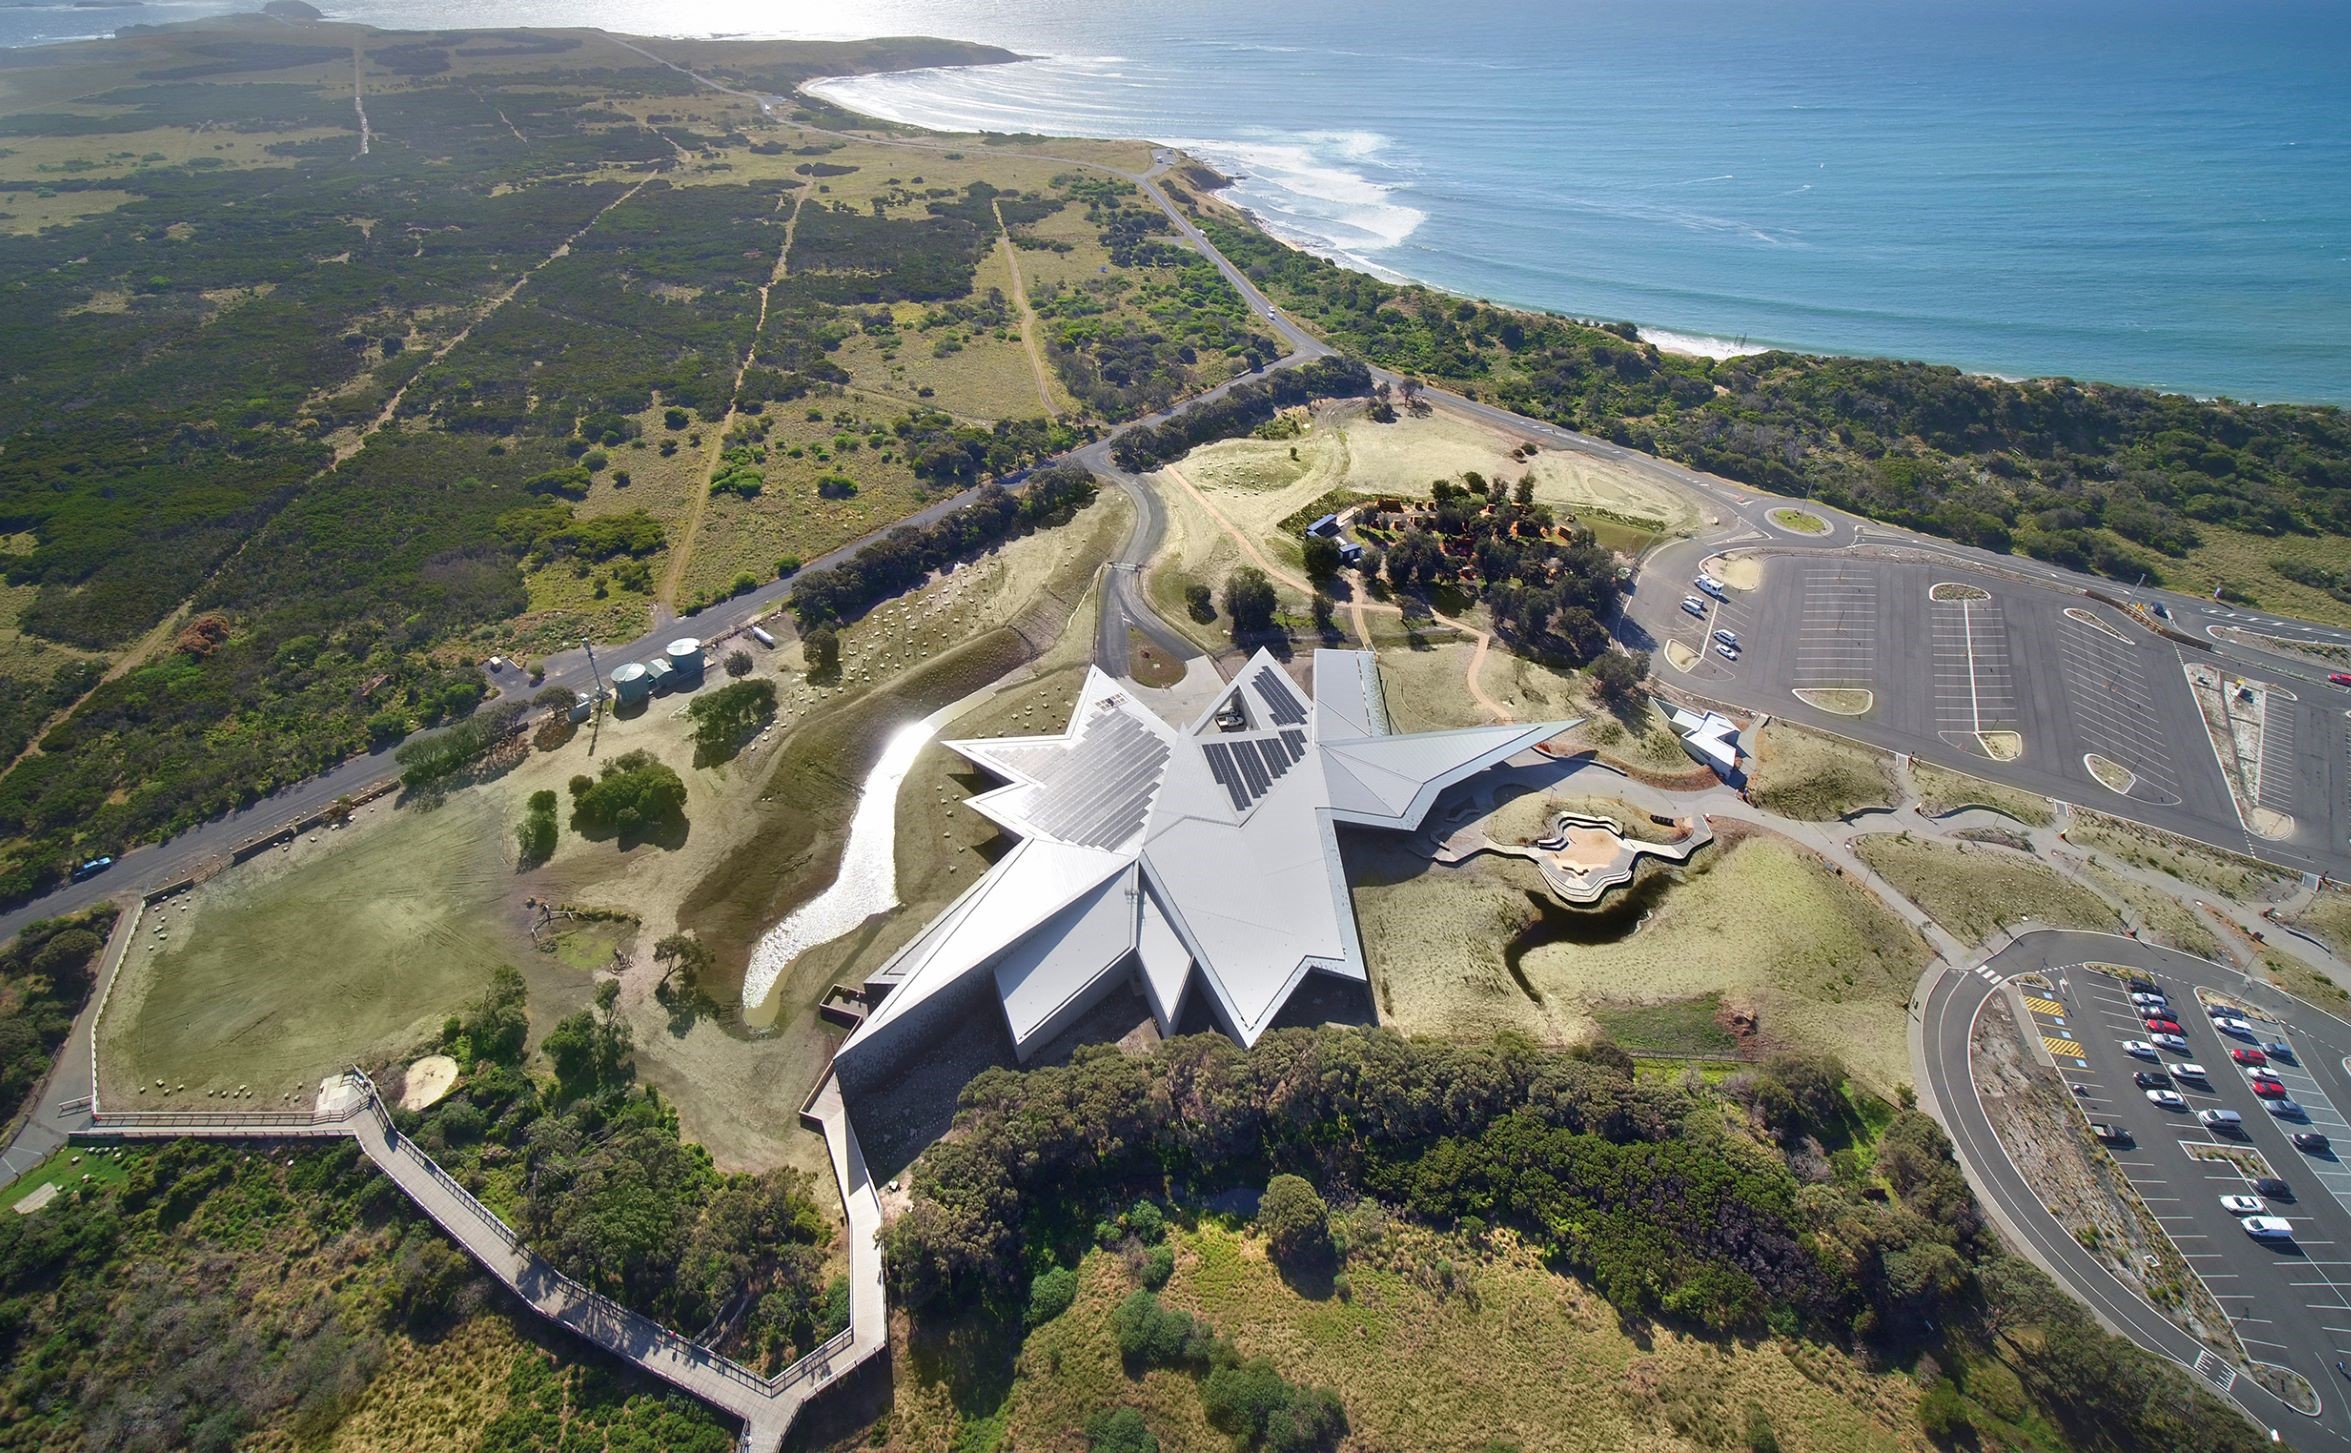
x=630 y=683
x=685 y=653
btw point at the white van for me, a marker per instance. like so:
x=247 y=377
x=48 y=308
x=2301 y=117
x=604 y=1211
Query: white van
x=1710 y=585
x=1728 y=638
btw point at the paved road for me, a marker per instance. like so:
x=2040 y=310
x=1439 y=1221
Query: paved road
x=2257 y=1284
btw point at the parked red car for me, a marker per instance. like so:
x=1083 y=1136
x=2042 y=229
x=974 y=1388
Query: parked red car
x=2162 y=1026
x=2252 y=1057
x=2269 y=1089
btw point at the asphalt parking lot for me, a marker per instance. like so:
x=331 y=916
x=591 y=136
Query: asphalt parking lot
x=2289 y=1301
x=2001 y=666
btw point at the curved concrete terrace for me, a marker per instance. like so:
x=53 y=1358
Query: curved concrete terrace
x=1585 y=856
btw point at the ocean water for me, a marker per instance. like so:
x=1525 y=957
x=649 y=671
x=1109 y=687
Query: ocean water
x=2147 y=191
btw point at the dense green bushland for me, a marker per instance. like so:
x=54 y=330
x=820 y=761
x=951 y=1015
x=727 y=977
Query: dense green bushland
x=1552 y=588
x=46 y=975
x=158 y=1314
x=1762 y=1207
x=1239 y=410
x=2090 y=475
x=904 y=557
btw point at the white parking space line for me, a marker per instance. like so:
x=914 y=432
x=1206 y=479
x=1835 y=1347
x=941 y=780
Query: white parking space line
x=1975 y=688
x=1837 y=632
x=2279 y=788
x=2112 y=704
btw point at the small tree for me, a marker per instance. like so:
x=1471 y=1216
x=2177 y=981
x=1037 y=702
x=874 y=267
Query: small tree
x=1119 y=1430
x=1198 y=600
x=1322 y=557
x=820 y=644
x=1323 y=619
x=1249 y=600
x=685 y=958
x=1618 y=674
x=738 y=663
x=1294 y=1218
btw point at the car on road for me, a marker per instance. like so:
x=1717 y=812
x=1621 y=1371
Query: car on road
x=2139 y=1047
x=2243 y=1205
x=2272 y=1187
x=2163 y=1026
x=2311 y=1142
x=1694 y=605
x=2152 y=1080
x=1727 y=638
x=2171 y=1042
x=2278 y=1049
x=2190 y=1070
x=2249 y=1057
x=2286 y=1109
x=2232 y=1025
x=2339 y=678
x=92 y=869
x=2222 y=1122
x=2268 y=1228
x=2167 y=1100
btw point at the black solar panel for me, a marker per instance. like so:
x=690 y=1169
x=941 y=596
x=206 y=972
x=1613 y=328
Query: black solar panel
x=1228 y=776
x=1277 y=761
x=1252 y=771
x=1287 y=709
x=1296 y=742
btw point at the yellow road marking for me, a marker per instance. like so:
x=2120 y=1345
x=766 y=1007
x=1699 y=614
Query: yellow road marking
x=2043 y=1006
x=2066 y=1047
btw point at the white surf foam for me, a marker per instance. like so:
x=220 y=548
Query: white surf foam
x=1700 y=345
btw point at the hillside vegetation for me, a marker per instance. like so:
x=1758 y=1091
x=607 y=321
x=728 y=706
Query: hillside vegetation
x=1775 y=1210
x=313 y=430
x=2123 y=481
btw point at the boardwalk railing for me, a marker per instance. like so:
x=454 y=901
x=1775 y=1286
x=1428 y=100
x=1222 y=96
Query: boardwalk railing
x=586 y=1311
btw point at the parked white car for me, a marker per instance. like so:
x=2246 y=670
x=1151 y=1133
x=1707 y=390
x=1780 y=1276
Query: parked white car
x=2167 y=1099
x=2244 y=1205
x=2138 y=1047
x=2268 y=1228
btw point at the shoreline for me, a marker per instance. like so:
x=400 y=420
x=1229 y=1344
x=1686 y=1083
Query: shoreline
x=1680 y=342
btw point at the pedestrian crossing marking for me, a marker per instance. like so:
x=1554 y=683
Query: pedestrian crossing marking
x=2043 y=1006
x=2066 y=1047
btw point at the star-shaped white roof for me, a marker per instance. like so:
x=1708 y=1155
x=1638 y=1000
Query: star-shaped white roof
x=1201 y=860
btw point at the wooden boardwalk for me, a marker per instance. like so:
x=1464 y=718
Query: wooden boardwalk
x=765 y=1405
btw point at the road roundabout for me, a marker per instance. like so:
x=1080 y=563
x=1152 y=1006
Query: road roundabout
x=2288 y=1304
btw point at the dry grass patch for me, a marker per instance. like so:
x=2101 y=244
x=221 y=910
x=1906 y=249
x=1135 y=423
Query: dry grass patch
x=1815 y=778
x=2328 y=918
x=2163 y=919
x=1941 y=791
x=1819 y=961
x=1973 y=891
x=1504 y=1352
x=2231 y=875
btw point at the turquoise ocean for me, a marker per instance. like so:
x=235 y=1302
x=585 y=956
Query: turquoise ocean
x=2145 y=191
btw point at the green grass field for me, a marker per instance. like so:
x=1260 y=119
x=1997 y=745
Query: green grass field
x=67 y=1168
x=283 y=975
x=1974 y=890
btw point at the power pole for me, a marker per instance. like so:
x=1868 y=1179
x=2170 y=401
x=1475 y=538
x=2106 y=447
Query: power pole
x=596 y=717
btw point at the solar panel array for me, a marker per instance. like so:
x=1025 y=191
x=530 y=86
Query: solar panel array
x=1096 y=793
x=1248 y=768
x=1287 y=709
